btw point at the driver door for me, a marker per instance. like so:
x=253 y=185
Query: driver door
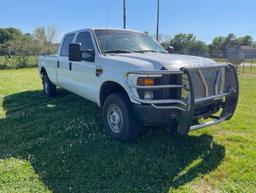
x=84 y=72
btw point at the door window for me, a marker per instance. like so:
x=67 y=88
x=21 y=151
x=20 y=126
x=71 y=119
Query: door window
x=86 y=44
x=85 y=39
x=65 y=45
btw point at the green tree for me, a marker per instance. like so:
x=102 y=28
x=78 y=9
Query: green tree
x=198 y=48
x=221 y=45
x=187 y=44
x=18 y=47
x=45 y=37
x=216 y=48
x=254 y=44
x=7 y=34
x=245 y=40
x=230 y=42
x=181 y=41
x=22 y=49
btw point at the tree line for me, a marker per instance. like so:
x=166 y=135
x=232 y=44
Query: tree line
x=22 y=46
x=219 y=47
x=42 y=41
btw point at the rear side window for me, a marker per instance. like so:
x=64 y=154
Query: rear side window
x=65 y=46
x=86 y=41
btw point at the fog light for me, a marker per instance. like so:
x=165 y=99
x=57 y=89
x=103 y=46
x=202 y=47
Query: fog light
x=148 y=95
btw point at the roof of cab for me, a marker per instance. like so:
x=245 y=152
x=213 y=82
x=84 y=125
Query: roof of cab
x=93 y=29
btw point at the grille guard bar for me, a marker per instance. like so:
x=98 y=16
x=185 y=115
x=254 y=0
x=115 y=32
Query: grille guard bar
x=187 y=109
x=228 y=107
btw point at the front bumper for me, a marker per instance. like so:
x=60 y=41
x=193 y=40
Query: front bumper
x=150 y=115
x=217 y=107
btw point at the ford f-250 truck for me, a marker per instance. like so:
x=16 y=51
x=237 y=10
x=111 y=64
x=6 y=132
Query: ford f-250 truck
x=136 y=82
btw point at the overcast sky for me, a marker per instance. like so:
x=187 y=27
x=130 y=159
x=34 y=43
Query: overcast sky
x=204 y=18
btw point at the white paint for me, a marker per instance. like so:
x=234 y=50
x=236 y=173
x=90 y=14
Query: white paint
x=82 y=80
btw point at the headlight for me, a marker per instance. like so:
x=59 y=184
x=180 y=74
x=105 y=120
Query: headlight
x=139 y=83
x=142 y=81
x=155 y=86
x=147 y=94
x=161 y=89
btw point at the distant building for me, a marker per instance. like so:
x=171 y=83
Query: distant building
x=249 y=52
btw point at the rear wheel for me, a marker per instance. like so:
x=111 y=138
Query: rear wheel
x=49 y=87
x=118 y=118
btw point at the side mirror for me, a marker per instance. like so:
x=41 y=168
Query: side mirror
x=75 y=53
x=170 y=49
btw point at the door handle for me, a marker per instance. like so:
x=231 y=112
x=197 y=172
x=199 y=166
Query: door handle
x=70 y=66
x=99 y=71
x=58 y=64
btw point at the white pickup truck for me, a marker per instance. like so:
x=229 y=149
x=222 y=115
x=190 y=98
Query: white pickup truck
x=136 y=82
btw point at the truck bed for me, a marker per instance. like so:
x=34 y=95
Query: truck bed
x=49 y=63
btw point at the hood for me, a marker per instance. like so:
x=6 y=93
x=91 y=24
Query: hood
x=156 y=61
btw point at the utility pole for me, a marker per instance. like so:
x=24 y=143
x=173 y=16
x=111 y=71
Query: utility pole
x=157 y=25
x=124 y=13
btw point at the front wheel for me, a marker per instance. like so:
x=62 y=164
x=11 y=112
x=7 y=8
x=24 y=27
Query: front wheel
x=118 y=118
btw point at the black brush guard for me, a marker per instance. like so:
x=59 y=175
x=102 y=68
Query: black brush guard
x=228 y=106
x=187 y=118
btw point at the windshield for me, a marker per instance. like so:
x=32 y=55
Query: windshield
x=119 y=41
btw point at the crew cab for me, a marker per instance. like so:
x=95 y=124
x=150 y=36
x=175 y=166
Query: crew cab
x=136 y=82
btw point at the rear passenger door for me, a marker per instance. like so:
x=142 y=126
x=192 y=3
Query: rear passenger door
x=83 y=73
x=63 y=66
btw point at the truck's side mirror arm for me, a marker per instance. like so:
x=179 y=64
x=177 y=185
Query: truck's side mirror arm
x=170 y=49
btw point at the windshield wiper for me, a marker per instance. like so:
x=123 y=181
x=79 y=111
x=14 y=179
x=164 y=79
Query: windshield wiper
x=126 y=51
x=144 y=51
x=116 y=51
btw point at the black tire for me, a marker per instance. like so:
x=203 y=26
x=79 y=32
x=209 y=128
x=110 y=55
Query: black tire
x=117 y=107
x=49 y=87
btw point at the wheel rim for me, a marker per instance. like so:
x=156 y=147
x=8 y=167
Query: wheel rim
x=115 y=118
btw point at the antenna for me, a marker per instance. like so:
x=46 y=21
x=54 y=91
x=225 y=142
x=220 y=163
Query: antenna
x=157 y=25
x=124 y=14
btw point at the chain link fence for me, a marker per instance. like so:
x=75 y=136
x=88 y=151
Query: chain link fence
x=22 y=61
x=248 y=59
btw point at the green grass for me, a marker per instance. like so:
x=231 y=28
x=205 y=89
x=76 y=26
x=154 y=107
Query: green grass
x=58 y=145
x=247 y=70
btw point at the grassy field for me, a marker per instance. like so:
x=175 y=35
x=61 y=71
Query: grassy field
x=58 y=145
